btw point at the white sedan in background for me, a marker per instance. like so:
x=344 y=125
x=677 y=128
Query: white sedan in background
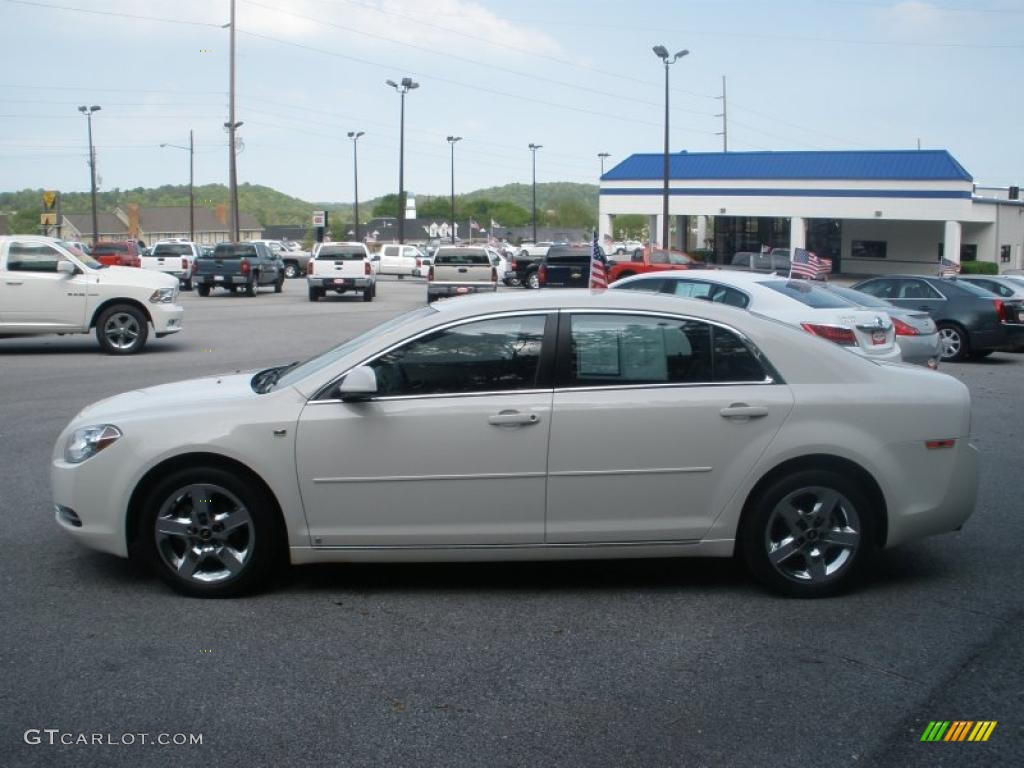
x=573 y=424
x=802 y=303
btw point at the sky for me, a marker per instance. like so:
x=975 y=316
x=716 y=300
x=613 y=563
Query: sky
x=577 y=77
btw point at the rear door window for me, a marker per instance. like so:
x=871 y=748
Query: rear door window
x=807 y=293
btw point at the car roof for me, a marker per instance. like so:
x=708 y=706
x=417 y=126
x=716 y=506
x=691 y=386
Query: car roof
x=723 y=276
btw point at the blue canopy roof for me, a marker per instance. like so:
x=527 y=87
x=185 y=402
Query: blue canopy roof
x=874 y=165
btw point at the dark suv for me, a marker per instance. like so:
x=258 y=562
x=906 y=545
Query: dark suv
x=972 y=322
x=565 y=266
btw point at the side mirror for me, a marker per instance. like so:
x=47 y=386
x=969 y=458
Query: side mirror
x=66 y=267
x=359 y=384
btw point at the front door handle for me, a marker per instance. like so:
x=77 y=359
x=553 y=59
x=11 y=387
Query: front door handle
x=15 y=282
x=512 y=419
x=742 y=411
x=924 y=307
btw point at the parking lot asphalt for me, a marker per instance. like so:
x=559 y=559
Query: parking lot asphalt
x=631 y=663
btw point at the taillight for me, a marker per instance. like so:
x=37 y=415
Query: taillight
x=244 y=267
x=494 y=274
x=309 y=267
x=367 y=269
x=834 y=333
x=1001 y=311
x=932 y=445
x=184 y=264
x=512 y=263
x=430 y=274
x=419 y=263
x=542 y=274
x=903 y=329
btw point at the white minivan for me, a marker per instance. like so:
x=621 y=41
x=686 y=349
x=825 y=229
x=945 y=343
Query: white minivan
x=49 y=286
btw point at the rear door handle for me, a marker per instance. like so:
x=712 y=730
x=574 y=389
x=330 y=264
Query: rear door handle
x=924 y=307
x=512 y=419
x=15 y=282
x=742 y=411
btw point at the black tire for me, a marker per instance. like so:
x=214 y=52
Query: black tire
x=780 y=521
x=315 y=294
x=122 y=329
x=279 y=285
x=373 y=290
x=367 y=294
x=291 y=269
x=204 y=290
x=188 y=525
x=187 y=286
x=251 y=289
x=955 y=344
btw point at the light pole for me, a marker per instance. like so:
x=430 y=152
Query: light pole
x=354 y=135
x=603 y=156
x=662 y=53
x=232 y=125
x=451 y=142
x=191 y=149
x=87 y=111
x=406 y=85
x=533 y=149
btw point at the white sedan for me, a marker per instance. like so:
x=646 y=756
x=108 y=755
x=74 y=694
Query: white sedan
x=802 y=303
x=573 y=425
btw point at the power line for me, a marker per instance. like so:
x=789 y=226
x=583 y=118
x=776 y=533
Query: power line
x=114 y=13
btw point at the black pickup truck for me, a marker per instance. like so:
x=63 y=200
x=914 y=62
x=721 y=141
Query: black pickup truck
x=239 y=267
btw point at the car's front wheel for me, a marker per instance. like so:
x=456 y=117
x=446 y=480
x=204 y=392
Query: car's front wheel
x=291 y=269
x=808 y=534
x=122 y=330
x=955 y=346
x=208 y=533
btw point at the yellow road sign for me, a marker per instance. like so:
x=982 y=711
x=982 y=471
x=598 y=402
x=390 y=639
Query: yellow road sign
x=48 y=219
x=49 y=199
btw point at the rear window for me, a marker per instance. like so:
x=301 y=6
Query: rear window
x=234 y=251
x=976 y=290
x=461 y=257
x=579 y=256
x=334 y=253
x=173 y=249
x=859 y=297
x=109 y=249
x=806 y=293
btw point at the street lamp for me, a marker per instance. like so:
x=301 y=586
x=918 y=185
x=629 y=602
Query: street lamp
x=191 y=184
x=451 y=142
x=87 y=111
x=354 y=135
x=603 y=155
x=533 y=149
x=403 y=88
x=662 y=53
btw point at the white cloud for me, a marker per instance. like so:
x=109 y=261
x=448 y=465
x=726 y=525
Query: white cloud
x=918 y=20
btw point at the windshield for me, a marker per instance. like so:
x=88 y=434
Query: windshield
x=88 y=261
x=234 y=251
x=172 y=249
x=461 y=256
x=318 y=363
x=809 y=294
x=335 y=253
x=859 y=297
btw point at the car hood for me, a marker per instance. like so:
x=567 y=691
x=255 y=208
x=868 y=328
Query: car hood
x=133 y=276
x=191 y=394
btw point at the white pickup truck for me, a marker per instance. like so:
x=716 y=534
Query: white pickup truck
x=48 y=286
x=341 y=267
x=458 y=270
x=173 y=257
x=401 y=260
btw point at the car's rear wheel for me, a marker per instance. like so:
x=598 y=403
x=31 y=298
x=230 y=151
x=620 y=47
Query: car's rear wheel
x=122 y=330
x=533 y=280
x=204 y=290
x=955 y=346
x=188 y=285
x=315 y=294
x=367 y=294
x=251 y=289
x=208 y=533
x=808 y=534
x=279 y=285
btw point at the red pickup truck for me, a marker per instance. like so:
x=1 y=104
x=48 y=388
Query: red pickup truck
x=117 y=254
x=652 y=260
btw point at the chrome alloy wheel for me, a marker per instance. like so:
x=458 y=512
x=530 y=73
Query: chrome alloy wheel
x=122 y=330
x=204 y=533
x=952 y=342
x=812 y=535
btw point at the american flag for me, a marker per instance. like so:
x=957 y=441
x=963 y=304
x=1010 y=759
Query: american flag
x=473 y=224
x=598 y=277
x=948 y=268
x=494 y=224
x=809 y=265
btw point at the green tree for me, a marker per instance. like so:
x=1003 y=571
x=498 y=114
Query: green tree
x=387 y=205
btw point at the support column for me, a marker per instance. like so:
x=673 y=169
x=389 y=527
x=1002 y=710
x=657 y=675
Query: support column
x=682 y=230
x=702 y=232
x=951 y=242
x=654 y=228
x=606 y=226
x=797 y=234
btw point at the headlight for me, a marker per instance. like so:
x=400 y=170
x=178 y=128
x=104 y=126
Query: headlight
x=88 y=441
x=163 y=296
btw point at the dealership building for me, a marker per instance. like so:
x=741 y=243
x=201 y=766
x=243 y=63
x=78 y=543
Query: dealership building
x=871 y=212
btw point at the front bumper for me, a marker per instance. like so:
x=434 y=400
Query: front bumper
x=88 y=490
x=167 y=318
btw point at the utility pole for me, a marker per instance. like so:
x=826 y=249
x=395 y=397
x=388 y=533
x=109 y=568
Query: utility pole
x=603 y=156
x=406 y=85
x=662 y=53
x=191 y=149
x=533 y=149
x=354 y=135
x=88 y=111
x=232 y=126
x=724 y=133
x=451 y=142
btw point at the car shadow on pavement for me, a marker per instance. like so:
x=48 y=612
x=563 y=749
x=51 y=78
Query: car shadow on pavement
x=78 y=346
